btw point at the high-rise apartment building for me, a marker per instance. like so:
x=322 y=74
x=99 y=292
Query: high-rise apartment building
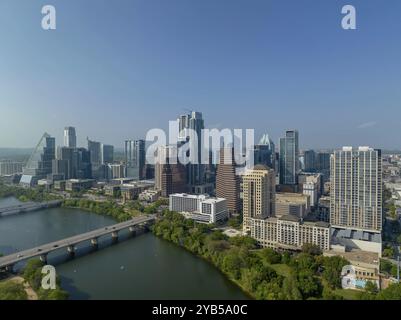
x=289 y=158
x=135 y=159
x=356 y=189
x=70 y=137
x=258 y=194
x=227 y=182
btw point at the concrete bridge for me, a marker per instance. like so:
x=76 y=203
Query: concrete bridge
x=28 y=207
x=7 y=262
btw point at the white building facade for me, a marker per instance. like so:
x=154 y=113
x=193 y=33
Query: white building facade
x=200 y=208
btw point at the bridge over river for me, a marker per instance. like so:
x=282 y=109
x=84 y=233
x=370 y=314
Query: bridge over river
x=7 y=262
x=28 y=207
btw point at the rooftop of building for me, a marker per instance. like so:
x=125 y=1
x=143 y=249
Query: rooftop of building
x=204 y=197
x=290 y=218
x=288 y=197
x=355 y=235
x=357 y=256
x=80 y=180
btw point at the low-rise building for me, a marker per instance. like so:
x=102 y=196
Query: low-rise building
x=290 y=232
x=112 y=190
x=131 y=191
x=294 y=204
x=59 y=185
x=78 y=184
x=149 y=195
x=201 y=208
x=363 y=267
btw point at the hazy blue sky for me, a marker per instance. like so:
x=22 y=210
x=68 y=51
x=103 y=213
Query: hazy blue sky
x=116 y=68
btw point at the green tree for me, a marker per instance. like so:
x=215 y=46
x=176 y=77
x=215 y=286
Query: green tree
x=10 y=290
x=243 y=241
x=271 y=256
x=308 y=284
x=291 y=289
x=388 y=252
x=332 y=267
x=311 y=249
x=393 y=292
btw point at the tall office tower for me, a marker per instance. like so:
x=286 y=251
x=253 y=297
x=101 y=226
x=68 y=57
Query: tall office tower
x=194 y=121
x=310 y=160
x=323 y=165
x=60 y=168
x=82 y=159
x=289 y=158
x=183 y=125
x=107 y=154
x=66 y=155
x=95 y=148
x=227 y=182
x=74 y=163
x=259 y=193
x=135 y=159
x=98 y=169
x=170 y=175
x=356 y=189
x=39 y=164
x=70 y=137
x=264 y=152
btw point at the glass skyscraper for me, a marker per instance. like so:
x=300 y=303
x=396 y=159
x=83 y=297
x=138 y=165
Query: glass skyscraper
x=39 y=164
x=195 y=122
x=70 y=137
x=289 y=158
x=135 y=159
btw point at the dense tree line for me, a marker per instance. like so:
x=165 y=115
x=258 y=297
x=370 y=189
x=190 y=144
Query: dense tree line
x=10 y=290
x=310 y=276
x=38 y=194
x=106 y=208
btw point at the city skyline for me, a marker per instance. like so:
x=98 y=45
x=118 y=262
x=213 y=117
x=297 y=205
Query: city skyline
x=233 y=62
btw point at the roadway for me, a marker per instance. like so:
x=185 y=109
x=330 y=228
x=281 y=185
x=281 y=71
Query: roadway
x=71 y=241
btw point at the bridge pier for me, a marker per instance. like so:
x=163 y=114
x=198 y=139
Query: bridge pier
x=94 y=242
x=43 y=258
x=132 y=230
x=9 y=268
x=114 y=236
x=71 y=250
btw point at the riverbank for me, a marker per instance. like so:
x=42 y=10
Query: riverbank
x=263 y=274
x=31 y=294
x=38 y=194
